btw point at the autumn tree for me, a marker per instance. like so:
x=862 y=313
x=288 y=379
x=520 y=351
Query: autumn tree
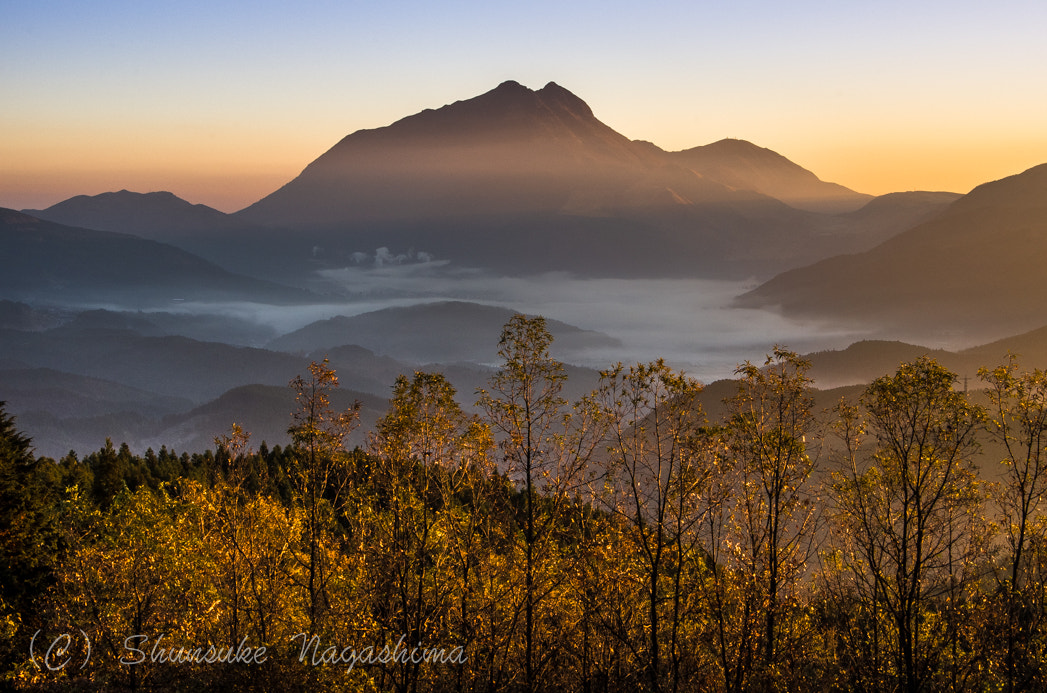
x=428 y=452
x=909 y=512
x=656 y=475
x=1017 y=421
x=230 y=521
x=138 y=567
x=251 y=540
x=765 y=436
x=545 y=447
x=321 y=470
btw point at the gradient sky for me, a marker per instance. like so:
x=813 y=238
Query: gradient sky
x=223 y=102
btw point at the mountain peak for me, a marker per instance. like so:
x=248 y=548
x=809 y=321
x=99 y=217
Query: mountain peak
x=509 y=149
x=511 y=85
x=513 y=102
x=514 y=149
x=746 y=166
x=510 y=111
x=150 y=215
x=554 y=93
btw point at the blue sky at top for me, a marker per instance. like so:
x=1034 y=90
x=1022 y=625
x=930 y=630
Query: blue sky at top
x=221 y=101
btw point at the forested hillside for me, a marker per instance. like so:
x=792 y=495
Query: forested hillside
x=641 y=538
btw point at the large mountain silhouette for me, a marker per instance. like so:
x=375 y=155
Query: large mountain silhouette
x=528 y=180
x=522 y=181
x=513 y=150
x=976 y=265
x=509 y=150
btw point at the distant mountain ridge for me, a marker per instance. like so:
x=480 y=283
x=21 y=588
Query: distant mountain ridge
x=50 y=262
x=977 y=264
x=742 y=165
x=864 y=361
x=155 y=215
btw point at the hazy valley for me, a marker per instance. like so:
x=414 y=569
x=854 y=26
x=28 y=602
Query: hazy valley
x=147 y=319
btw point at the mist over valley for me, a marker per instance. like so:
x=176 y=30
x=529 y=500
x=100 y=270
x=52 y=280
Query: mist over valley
x=150 y=320
x=511 y=348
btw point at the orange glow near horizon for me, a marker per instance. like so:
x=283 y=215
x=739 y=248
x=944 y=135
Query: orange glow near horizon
x=881 y=168
x=227 y=171
x=222 y=103
x=240 y=170
x=229 y=161
x=227 y=193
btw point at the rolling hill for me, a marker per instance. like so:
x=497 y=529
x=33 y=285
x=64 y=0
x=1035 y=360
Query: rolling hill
x=864 y=361
x=166 y=365
x=431 y=332
x=262 y=410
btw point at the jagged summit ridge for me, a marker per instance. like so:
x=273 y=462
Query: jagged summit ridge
x=508 y=113
x=509 y=150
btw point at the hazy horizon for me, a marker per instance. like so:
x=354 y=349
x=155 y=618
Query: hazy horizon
x=222 y=105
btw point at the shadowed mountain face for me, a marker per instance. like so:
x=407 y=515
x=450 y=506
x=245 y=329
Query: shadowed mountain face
x=45 y=261
x=976 y=265
x=510 y=150
x=531 y=181
x=516 y=150
x=162 y=216
x=515 y=181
